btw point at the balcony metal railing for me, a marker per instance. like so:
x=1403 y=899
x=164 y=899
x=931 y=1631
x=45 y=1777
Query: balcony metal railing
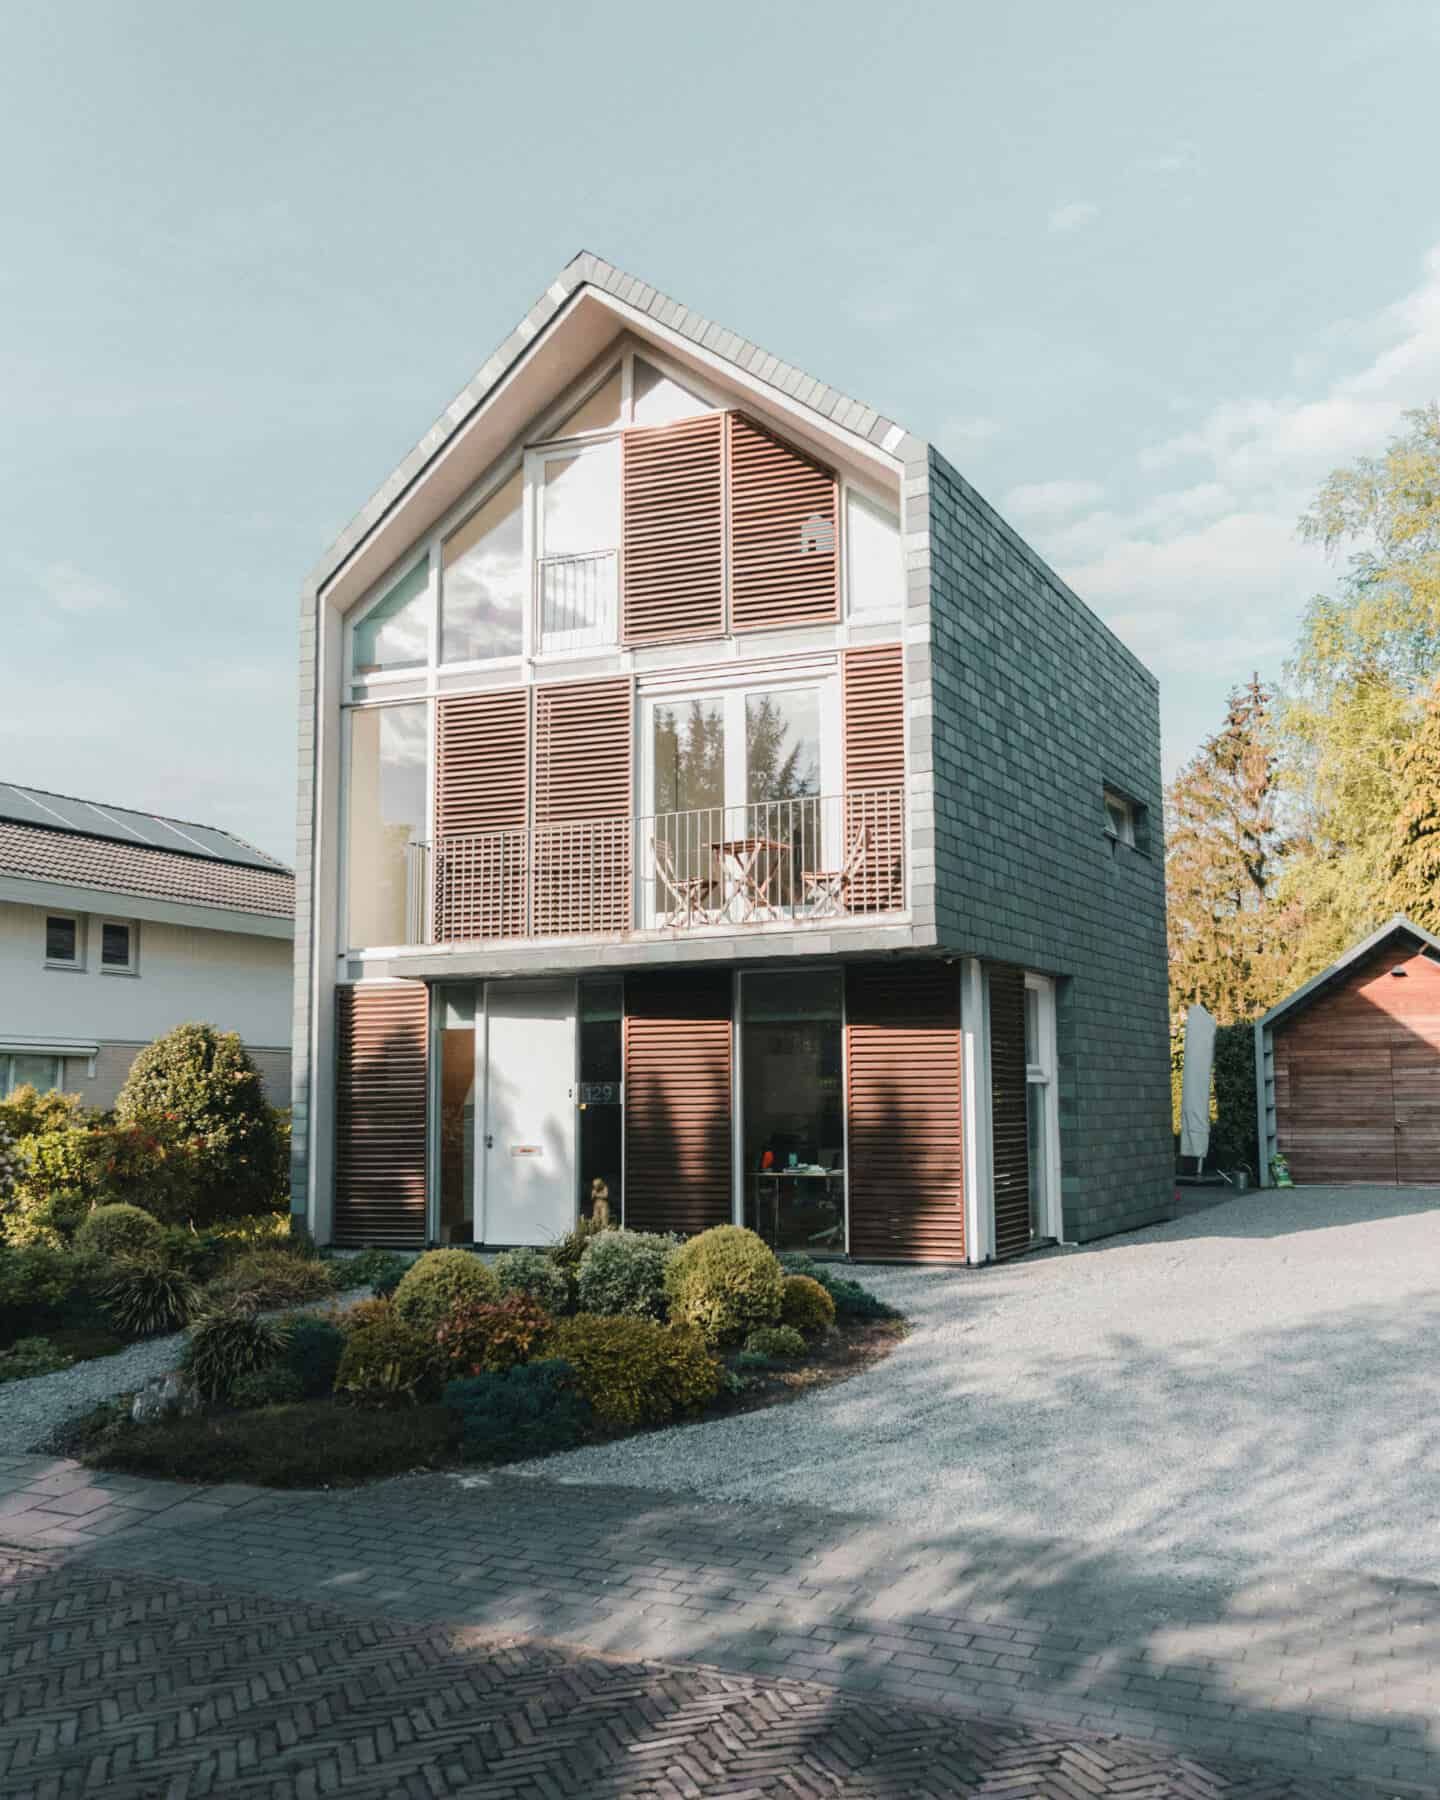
x=577 y=600
x=720 y=868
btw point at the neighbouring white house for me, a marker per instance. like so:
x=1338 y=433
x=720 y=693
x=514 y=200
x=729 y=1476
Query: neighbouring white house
x=116 y=926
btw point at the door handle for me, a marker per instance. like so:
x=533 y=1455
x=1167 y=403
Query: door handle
x=489 y=1141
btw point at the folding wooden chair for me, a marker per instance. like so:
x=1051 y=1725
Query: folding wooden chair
x=826 y=889
x=687 y=892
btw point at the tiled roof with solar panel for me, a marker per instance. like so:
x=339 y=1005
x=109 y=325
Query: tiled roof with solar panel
x=85 y=843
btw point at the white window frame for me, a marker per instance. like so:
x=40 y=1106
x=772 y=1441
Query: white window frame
x=1044 y=1077
x=76 y=963
x=566 y=643
x=1124 y=832
x=131 y=966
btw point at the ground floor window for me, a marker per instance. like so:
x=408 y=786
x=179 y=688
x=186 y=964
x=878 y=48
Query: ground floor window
x=1041 y=1128
x=599 y=1097
x=457 y=1114
x=793 y=1108
x=22 y=1070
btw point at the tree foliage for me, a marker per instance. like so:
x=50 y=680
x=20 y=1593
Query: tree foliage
x=1413 y=862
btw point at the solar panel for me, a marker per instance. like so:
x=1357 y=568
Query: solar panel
x=120 y=824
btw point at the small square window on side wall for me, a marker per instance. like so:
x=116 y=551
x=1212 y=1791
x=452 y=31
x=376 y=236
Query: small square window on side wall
x=64 y=941
x=118 y=946
x=1124 y=819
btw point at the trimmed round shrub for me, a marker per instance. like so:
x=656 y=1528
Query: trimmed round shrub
x=275 y=1386
x=777 y=1342
x=40 y=1285
x=533 y=1273
x=633 y=1371
x=229 y=1341
x=203 y=1081
x=476 y=1338
x=724 y=1282
x=437 y=1281
x=146 y=1292
x=313 y=1353
x=117 y=1230
x=623 y=1273
x=805 y=1305
x=386 y=1362
x=273 y=1278
x=529 y=1410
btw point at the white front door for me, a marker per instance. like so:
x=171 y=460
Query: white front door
x=528 y=1172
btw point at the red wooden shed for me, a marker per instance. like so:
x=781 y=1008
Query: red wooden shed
x=1348 y=1068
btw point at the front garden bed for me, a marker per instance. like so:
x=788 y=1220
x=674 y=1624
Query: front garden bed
x=463 y=1366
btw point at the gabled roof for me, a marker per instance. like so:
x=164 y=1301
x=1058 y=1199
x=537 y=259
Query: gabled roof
x=828 y=405
x=60 y=840
x=1394 y=927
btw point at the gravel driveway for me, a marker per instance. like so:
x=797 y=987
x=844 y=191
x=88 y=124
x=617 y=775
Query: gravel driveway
x=1253 y=1385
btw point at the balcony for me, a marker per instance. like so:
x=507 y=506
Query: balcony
x=723 y=870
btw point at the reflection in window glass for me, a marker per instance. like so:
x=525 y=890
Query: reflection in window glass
x=877 y=568
x=40 y=1072
x=791 y=1042
x=114 y=946
x=483 y=580
x=658 y=400
x=457 y=1114
x=581 y=508
x=395 y=633
x=782 y=744
x=62 y=939
x=601 y=412
x=689 y=752
x=387 y=813
x=601 y=1011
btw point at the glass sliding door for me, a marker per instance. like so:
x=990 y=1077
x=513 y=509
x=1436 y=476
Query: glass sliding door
x=685 y=782
x=600 y=1097
x=793 y=1108
x=782 y=789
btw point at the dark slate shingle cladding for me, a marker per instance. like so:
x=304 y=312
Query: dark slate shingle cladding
x=1037 y=705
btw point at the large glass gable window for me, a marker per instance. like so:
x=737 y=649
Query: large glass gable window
x=483 y=580
x=660 y=401
x=395 y=633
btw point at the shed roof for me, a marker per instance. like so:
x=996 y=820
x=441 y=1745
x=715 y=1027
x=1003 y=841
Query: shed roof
x=1394 y=927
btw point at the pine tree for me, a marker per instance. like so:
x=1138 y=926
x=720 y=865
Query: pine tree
x=1227 y=936
x=1414 y=863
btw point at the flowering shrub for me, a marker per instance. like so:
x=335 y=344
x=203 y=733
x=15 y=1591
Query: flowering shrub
x=204 y=1083
x=480 y=1337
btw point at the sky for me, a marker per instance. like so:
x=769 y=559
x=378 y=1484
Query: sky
x=1144 y=272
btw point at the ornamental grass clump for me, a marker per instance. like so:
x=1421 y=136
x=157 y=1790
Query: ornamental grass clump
x=633 y=1371
x=530 y=1410
x=487 y=1336
x=118 y=1230
x=533 y=1273
x=273 y=1277
x=622 y=1273
x=806 y=1305
x=435 y=1283
x=724 y=1282
x=228 y=1341
x=146 y=1292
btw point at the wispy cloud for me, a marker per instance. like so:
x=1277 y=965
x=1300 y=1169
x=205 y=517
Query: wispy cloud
x=1051 y=499
x=1173 y=159
x=67 y=589
x=968 y=432
x=1074 y=216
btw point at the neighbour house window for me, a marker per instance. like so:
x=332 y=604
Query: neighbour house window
x=25 y=1070
x=64 y=941
x=387 y=818
x=117 y=947
x=395 y=633
x=876 y=567
x=1122 y=817
x=484 y=582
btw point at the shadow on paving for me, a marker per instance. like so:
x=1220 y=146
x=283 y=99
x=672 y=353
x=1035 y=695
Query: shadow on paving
x=205 y=1691
x=1335 y=1678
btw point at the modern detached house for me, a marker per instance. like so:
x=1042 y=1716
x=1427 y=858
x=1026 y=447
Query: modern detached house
x=709 y=801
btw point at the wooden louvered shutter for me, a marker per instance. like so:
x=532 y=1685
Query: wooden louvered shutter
x=873 y=697
x=677 y=1101
x=1009 y=1144
x=584 y=732
x=784 y=532
x=481 y=845
x=902 y=1061
x=381 y=1065
x=673 y=531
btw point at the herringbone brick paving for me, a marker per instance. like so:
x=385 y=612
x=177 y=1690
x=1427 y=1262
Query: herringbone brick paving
x=135 y=1686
